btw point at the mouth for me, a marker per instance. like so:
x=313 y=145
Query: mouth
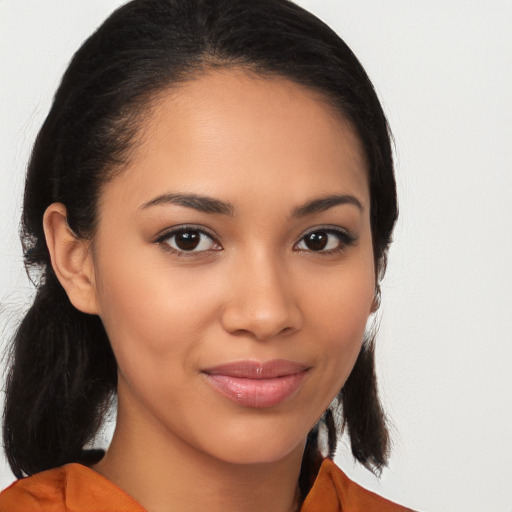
x=257 y=384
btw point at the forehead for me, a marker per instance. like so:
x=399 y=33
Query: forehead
x=228 y=132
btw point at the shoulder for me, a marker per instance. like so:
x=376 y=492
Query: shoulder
x=44 y=491
x=333 y=491
x=72 y=487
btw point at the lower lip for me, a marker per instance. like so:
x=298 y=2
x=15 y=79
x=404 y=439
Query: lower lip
x=257 y=393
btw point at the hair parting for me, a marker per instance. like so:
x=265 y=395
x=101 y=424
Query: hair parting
x=63 y=373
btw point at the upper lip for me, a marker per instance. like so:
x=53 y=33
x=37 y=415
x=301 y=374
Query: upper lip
x=257 y=369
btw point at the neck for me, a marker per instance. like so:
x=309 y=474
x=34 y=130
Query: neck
x=165 y=474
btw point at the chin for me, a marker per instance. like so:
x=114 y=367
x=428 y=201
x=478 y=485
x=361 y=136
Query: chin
x=258 y=448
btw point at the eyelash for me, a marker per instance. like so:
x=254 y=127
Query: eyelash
x=162 y=240
x=345 y=240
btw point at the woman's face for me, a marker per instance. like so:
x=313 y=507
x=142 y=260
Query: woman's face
x=233 y=266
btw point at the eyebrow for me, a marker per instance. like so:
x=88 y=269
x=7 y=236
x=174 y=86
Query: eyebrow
x=207 y=204
x=201 y=203
x=324 y=203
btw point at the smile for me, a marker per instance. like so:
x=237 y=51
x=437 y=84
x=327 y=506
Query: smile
x=256 y=384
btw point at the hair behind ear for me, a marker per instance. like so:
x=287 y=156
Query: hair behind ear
x=59 y=386
x=362 y=412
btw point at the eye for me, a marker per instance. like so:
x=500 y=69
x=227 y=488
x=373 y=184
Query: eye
x=325 y=240
x=189 y=240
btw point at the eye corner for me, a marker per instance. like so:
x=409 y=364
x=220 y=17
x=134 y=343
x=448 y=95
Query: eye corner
x=322 y=242
x=197 y=241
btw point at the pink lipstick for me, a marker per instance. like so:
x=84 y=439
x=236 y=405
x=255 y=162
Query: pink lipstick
x=257 y=384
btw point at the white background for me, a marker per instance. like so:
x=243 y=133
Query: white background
x=443 y=70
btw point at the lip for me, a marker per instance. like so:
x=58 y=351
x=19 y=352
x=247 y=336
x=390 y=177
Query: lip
x=257 y=384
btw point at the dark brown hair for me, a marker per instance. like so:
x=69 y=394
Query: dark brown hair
x=63 y=371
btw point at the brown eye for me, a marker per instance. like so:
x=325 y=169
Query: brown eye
x=189 y=240
x=316 y=241
x=325 y=241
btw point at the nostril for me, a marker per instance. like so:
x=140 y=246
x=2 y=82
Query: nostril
x=259 y=327
x=265 y=309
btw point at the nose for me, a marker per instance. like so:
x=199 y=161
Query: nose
x=262 y=302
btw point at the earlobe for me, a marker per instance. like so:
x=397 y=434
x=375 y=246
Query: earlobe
x=376 y=300
x=71 y=259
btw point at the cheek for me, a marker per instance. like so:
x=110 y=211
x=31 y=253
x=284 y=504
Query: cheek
x=339 y=316
x=151 y=313
x=341 y=299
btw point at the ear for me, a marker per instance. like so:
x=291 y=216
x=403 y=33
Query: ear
x=376 y=299
x=71 y=259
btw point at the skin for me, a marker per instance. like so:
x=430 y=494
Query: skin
x=256 y=292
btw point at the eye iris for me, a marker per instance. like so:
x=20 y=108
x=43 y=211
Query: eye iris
x=187 y=240
x=316 y=241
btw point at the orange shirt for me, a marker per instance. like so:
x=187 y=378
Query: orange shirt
x=77 y=488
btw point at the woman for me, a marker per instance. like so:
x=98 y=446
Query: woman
x=209 y=203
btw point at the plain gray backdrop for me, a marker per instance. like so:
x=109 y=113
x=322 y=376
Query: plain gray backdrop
x=443 y=70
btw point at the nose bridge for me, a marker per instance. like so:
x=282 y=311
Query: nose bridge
x=262 y=302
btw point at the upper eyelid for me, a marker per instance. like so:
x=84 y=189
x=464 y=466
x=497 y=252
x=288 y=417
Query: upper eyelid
x=163 y=240
x=329 y=228
x=345 y=240
x=326 y=227
x=168 y=232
